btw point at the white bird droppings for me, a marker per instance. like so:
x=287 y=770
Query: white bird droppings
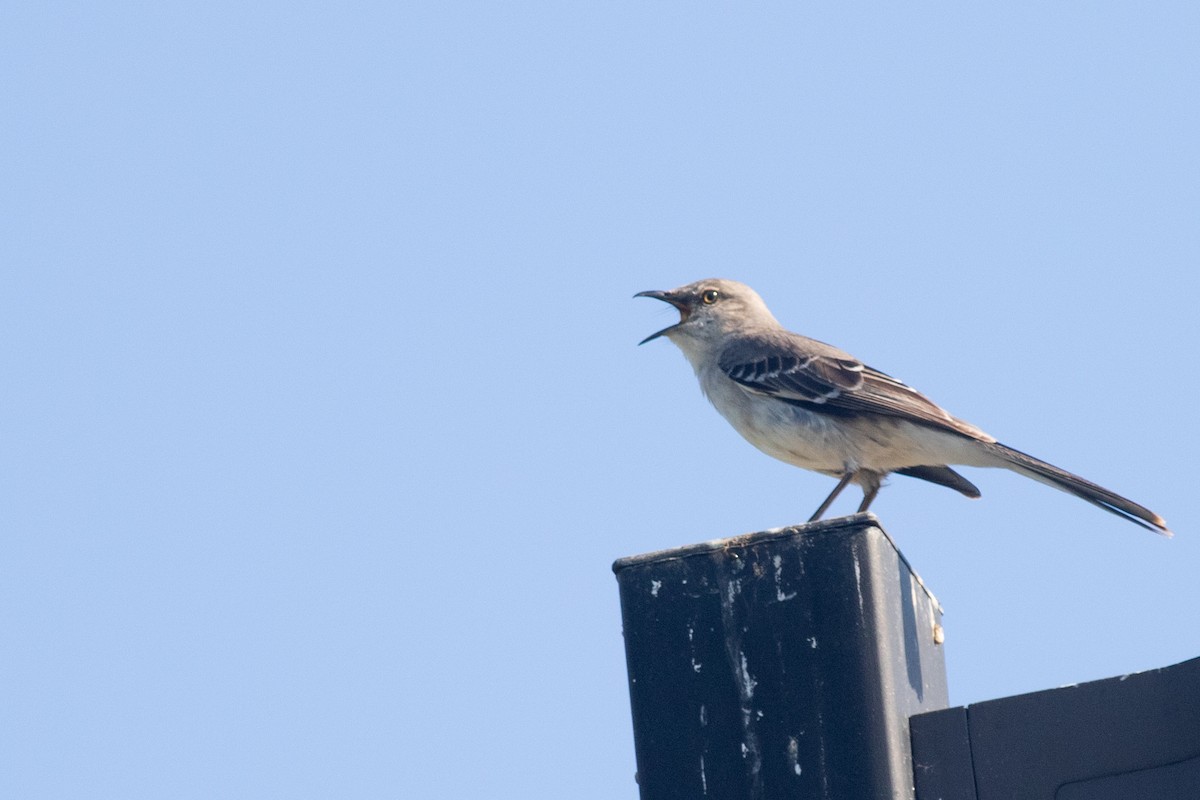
x=748 y=682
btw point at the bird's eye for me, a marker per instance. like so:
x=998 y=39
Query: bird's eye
x=710 y=296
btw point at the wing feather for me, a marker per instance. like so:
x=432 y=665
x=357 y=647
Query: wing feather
x=805 y=372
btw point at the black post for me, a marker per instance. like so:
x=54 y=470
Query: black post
x=781 y=664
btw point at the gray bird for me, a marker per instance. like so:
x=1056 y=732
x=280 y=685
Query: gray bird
x=814 y=406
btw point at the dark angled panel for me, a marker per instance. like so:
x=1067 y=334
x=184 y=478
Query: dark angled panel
x=1135 y=737
x=1030 y=745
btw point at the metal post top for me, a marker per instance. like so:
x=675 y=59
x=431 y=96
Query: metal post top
x=783 y=663
x=863 y=522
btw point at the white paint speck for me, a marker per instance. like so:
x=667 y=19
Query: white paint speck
x=812 y=642
x=703 y=714
x=654 y=587
x=703 y=777
x=696 y=665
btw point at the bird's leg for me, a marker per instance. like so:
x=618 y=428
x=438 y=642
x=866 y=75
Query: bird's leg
x=870 y=483
x=842 y=484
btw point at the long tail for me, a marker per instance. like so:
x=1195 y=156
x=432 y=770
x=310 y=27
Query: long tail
x=1065 y=481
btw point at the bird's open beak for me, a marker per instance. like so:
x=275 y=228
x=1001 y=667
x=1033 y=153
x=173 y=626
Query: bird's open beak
x=666 y=297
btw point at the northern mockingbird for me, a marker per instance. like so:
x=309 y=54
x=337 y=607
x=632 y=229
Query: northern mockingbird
x=818 y=407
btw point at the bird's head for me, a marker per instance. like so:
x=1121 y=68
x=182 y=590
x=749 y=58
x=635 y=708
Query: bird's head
x=710 y=310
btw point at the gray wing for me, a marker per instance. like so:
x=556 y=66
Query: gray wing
x=808 y=373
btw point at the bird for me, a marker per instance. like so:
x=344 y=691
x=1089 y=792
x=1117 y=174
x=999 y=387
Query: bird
x=812 y=405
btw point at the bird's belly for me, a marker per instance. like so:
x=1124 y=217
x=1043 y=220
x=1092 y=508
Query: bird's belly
x=833 y=444
x=795 y=435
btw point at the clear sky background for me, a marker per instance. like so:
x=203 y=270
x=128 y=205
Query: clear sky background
x=324 y=417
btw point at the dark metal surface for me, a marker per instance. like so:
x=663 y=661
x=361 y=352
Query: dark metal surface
x=783 y=664
x=1127 y=738
x=941 y=755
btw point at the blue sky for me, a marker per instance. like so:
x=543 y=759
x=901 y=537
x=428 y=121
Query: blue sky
x=325 y=418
